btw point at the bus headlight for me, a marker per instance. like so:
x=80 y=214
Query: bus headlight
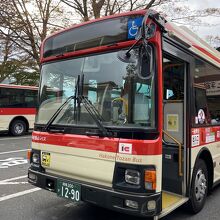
x=132 y=177
x=36 y=158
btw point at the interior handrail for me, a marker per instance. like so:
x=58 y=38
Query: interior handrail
x=180 y=151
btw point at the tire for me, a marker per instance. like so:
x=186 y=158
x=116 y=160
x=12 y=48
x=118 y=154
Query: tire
x=18 y=128
x=199 y=187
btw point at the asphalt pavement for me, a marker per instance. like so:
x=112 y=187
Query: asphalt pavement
x=21 y=201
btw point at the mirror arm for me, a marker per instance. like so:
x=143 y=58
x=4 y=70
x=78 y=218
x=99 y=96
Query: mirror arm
x=128 y=52
x=160 y=21
x=143 y=37
x=148 y=14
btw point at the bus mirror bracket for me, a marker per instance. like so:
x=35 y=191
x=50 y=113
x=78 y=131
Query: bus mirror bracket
x=145 y=32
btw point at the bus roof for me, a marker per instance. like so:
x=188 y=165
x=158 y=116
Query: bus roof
x=194 y=43
x=179 y=33
x=18 y=87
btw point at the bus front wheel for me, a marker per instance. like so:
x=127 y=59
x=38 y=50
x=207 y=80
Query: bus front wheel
x=199 y=187
x=18 y=128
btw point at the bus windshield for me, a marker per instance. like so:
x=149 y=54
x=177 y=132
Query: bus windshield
x=113 y=87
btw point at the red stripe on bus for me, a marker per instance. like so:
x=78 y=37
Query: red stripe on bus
x=207 y=53
x=17 y=111
x=76 y=141
x=139 y=147
x=192 y=42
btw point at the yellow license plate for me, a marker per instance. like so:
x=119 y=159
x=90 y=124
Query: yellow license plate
x=45 y=159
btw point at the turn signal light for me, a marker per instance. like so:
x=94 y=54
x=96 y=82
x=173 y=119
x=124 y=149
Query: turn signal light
x=150 y=179
x=29 y=155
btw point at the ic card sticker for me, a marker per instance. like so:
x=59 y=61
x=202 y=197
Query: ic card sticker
x=125 y=148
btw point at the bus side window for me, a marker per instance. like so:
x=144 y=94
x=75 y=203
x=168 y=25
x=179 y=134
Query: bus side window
x=201 y=105
x=207 y=93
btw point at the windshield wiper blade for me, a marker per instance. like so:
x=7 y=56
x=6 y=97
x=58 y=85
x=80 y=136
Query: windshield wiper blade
x=95 y=115
x=57 y=112
x=76 y=95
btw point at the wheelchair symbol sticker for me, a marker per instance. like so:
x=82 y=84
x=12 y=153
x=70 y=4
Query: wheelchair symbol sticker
x=133 y=26
x=133 y=29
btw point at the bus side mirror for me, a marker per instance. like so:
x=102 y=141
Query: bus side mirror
x=145 y=62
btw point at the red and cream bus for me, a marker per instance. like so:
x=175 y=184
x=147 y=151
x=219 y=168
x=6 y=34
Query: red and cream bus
x=17 y=108
x=129 y=115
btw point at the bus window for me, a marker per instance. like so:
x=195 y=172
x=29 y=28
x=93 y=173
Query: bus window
x=207 y=93
x=173 y=73
x=142 y=101
x=169 y=93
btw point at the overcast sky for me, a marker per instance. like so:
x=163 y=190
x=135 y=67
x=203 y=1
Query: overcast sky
x=215 y=21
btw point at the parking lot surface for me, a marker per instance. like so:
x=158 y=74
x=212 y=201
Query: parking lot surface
x=21 y=201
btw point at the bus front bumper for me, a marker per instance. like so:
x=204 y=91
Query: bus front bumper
x=101 y=196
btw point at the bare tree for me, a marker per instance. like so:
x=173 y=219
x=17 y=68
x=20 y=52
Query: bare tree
x=28 y=22
x=213 y=40
x=88 y=9
x=24 y=24
x=8 y=50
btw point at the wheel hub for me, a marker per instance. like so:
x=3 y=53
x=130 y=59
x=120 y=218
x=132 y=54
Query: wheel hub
x=19 y=128
x=200 y=185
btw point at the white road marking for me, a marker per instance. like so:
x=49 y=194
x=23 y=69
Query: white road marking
x=6 y=181
x=15 y=138
x=14 y=195
x=12 y=183
x=70 y=205
x=14 y=178
x=10 y=162
x=14 y=151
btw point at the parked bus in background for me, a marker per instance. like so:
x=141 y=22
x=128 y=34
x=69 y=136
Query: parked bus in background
x=17 y=108
x=133 y=122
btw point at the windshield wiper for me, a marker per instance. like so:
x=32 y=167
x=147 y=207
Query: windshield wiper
x=78 y=98
x=76 y=95
x=57 y=112
x=95 y=115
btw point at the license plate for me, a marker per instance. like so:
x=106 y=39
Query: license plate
x=45 y=159
x=69 y=190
